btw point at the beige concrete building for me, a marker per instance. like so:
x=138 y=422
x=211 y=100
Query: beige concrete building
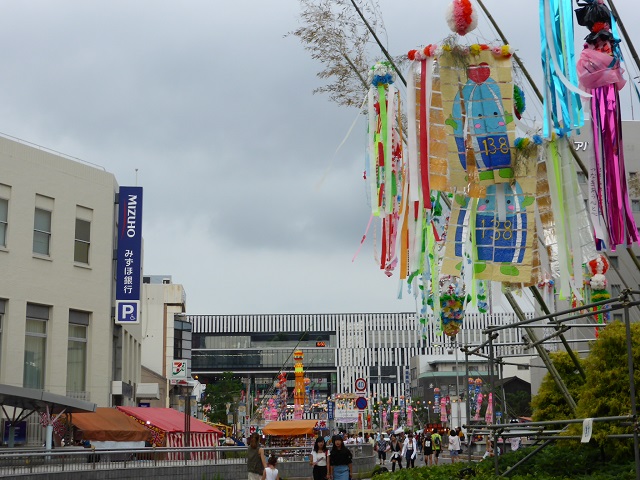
x=163 y=339
x=57 y=238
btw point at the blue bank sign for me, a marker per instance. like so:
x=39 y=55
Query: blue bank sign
x=129 y=262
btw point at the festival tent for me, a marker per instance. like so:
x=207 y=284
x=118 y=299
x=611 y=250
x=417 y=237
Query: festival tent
x=167 y=428
x=290 y=427
x=110 y=428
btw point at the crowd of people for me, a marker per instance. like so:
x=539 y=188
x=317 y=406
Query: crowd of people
x=405 y=447
x=335 y=462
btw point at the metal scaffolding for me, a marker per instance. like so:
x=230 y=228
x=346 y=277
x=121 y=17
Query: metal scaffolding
x=627 y=299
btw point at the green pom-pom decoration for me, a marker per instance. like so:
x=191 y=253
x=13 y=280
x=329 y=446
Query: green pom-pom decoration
x=519 y=102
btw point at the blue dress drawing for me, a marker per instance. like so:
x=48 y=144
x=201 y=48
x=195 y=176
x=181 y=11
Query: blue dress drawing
x=480 y=113
x=500 y=227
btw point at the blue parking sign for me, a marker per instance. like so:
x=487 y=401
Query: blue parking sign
x=127 y=312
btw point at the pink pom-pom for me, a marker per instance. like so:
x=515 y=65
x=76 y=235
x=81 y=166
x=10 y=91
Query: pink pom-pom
x=462 y=18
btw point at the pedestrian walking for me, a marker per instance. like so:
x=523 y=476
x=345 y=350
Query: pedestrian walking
x=427 y=448
x=382 y=446
x=437 y=445
x=454 y=445
x=271 y=472
x=319 y=459
x=410 y=450
x=256 y=462
x=396 y=453
x=340 y=460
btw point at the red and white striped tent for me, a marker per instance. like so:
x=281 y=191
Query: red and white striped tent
x=167 y=427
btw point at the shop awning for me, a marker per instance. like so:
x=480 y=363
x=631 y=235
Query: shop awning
x=110 y=425
x=31 y=400
x=291 y=427
x=168 y=419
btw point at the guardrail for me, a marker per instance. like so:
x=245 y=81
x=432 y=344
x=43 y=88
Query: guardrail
x=73 y=459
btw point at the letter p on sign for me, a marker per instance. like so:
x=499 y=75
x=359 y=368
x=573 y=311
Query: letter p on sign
x=128 y=312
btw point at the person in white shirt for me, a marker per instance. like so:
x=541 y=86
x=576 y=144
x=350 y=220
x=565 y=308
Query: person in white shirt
x=454 y=445
x=410 y=450
x=319 y=459
x=271 y=472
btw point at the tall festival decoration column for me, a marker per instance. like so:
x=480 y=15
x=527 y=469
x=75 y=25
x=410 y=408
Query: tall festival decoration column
x=299 y=389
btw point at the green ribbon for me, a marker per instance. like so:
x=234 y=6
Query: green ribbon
x=387 y=148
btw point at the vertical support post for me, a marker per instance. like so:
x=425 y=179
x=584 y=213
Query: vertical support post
x=632 y=389
x=468 y=406
x=12 y=435
x=504 y=394
x=457 y=381
x=187 y=423
x=493 y=410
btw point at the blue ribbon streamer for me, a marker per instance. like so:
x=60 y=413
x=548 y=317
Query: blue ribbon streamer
x=563 y=108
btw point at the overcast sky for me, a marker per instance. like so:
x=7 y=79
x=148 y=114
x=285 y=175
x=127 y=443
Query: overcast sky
x=213 y=105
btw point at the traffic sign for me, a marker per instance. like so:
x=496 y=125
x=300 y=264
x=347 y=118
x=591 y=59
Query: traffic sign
x=331 y=406
x=361 y=385
x=361 y=403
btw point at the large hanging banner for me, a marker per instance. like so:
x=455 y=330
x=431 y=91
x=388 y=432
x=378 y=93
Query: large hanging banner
x=498 y=229
x=477 y=101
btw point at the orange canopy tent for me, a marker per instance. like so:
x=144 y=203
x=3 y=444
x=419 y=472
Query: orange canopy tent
x=290 y=427
x=110 y=425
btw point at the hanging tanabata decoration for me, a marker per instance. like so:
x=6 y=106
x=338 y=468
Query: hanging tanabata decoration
x=492 y=220
x=598 y=285
x=436 y=400
x=443 y=410
x=385 y=164
x=488 y=416
x=600 y=73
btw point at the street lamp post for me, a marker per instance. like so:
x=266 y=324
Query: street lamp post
x=454 y=343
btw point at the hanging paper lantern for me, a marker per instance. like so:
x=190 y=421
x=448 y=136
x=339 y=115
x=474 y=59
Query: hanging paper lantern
x=462 y=18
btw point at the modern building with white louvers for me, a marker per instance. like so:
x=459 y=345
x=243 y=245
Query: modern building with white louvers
x=338 y=348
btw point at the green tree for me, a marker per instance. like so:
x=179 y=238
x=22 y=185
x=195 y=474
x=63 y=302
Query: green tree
x=606 y=390
x=217 y=394
x=549 y=404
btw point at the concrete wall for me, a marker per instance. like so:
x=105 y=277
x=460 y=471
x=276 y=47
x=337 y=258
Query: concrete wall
x=362 y=468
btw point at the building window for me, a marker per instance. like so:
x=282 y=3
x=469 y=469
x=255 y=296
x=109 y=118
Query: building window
x=35 y=346
x=42 y=231
x=635 y=205
x=83 y=241
x=617 y=317
x=4 y=215
x=615 y=289
x=582 y=178
x=613 y=260
x=77 y=352
x=523 y=367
